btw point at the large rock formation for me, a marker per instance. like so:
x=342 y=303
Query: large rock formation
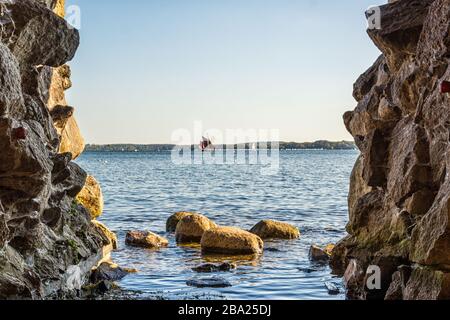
x=48 y=243
x=399 y=201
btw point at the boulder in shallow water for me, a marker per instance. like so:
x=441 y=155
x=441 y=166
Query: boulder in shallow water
x=270 y=229
x=145 y=239
x=172 y=222
x=192 y=227
x=213 y=282
x=91 y=197
x=230 y=240
x=210 y=267
x=319 y=254
x=108 y=271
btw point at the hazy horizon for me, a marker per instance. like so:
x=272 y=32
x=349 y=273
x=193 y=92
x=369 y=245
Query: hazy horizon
x=146 y=69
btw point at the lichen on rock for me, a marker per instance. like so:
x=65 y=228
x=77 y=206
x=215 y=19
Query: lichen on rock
x=400 y=187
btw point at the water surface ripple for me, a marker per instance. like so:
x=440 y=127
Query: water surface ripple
x=142 y=190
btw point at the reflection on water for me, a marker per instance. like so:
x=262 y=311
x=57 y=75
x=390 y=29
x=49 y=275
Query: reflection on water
x=142 y=190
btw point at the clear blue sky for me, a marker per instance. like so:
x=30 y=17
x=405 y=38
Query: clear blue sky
x=148 y=67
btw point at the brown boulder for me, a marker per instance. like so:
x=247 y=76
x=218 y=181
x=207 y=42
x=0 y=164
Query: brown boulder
x=145 y=239
x=269 y=229
x=230 y=240
x=192 y=227
x=172 y=222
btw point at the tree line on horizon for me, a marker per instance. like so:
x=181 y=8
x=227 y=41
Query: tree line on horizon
x=317 y=145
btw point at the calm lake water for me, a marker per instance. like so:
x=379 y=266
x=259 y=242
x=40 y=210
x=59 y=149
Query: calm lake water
x=142 y=190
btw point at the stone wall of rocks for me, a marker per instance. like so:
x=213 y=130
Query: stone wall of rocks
x=399 y=199
x=48 y=242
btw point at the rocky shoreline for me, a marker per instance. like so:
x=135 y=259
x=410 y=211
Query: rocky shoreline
x=52 y=247
x=400 y=186
x=48 y=241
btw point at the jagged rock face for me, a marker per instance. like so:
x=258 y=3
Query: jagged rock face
x=399 y=202
x=48 y=243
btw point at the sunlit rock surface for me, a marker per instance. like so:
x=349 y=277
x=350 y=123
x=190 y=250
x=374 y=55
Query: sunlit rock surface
x=91 y=197
x=48 y=244
x=270 y=229
x=400 y=187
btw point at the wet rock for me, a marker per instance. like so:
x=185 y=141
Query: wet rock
x=98 y=289
x=320 y=254
x=145 y=239
x=172 y=222
x=272 y=250
x=192 y=227
x=213 y=282
x=229 y=240
x=209 y=267
x=91 y=197
x=307 y=270
x=108 y=271
x=332 y=288
x=269 y=229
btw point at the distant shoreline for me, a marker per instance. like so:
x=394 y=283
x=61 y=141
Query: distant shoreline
x=317 y=145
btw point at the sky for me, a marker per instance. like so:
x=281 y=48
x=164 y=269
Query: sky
x=147 y=68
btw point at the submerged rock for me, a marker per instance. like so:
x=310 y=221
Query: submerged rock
x=332 y=288
x=269 y=229
x=145 y=239
x=272 y=250
x=229 y=240
x=209 y=267
x=172 y=222
x=192 y=227
x=91 y=197
x=213 y=282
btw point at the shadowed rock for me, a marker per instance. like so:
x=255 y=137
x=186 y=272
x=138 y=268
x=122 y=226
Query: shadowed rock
x=145 y=239
x=172 y=222
x=209 y=267
x=214 y=282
